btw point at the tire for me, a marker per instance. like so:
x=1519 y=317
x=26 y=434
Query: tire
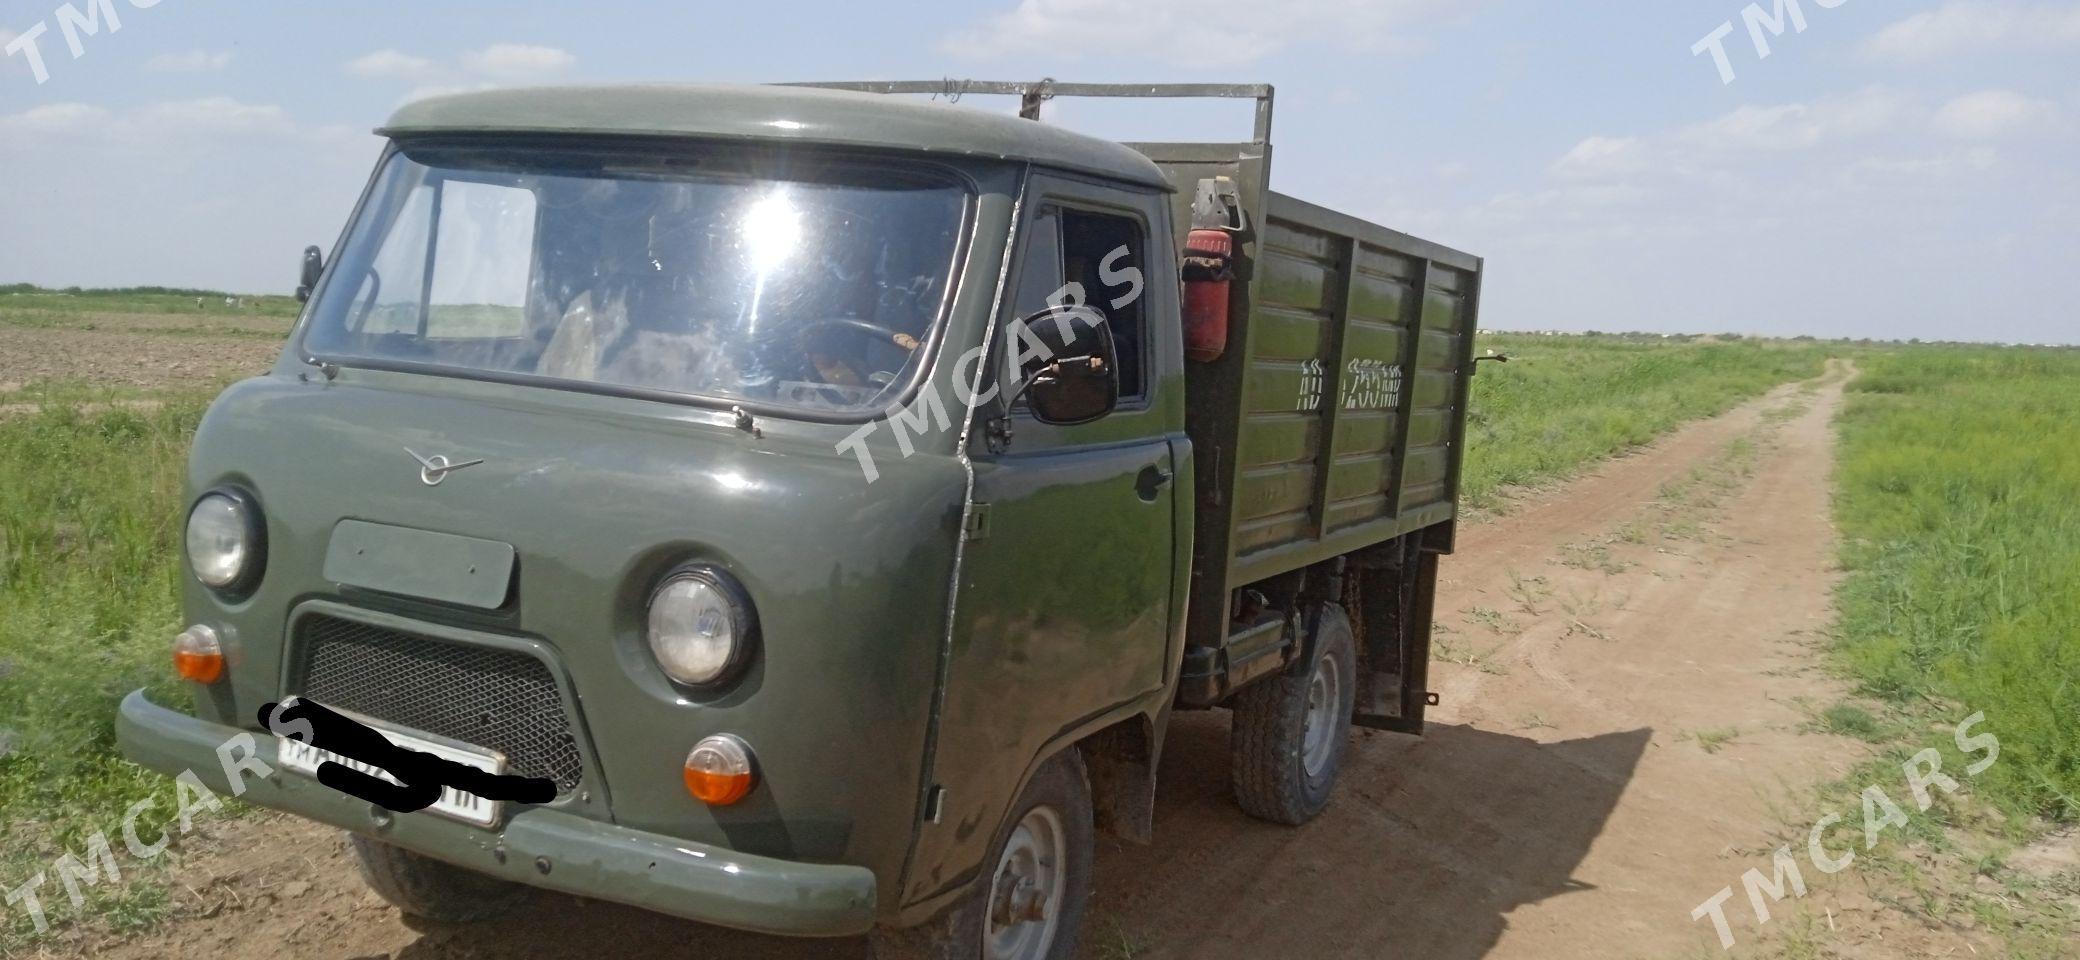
x=1279 y=772
x=432 y=889
x=1059 y=796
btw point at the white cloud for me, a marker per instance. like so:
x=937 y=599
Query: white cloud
x=1599 y=157
x=216 y=114
x=1992 y=113
x=390 y=65
x=1977 y=26
x=1738 y=137
x=1878 y=171
x=1796 y=126
x=192 y=61
x=1756 y=171
x=166 y=122
x=493 y=66
x=54 y=118
x=1197 y=32
x=517 y=62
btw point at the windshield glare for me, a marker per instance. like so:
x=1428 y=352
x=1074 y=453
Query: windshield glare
x=811 y=287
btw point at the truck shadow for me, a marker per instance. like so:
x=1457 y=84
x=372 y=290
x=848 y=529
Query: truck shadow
x=1427 y=848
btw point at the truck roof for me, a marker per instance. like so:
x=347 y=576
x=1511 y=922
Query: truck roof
x=771 y=113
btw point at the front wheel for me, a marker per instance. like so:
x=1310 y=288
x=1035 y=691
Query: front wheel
x=1290 y=731
x=1030 y=905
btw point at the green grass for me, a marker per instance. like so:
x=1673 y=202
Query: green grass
x=1959 y=504
x=1712 y=741
x=253 y=325
x=89 y=507
x=21 y=298
x=1564 y=402
x=1850 y=720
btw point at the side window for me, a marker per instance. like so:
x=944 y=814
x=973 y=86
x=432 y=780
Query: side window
x=1104 y=254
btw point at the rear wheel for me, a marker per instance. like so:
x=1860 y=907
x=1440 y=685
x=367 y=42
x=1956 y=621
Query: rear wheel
x=1290 y=731
x=1030 y=906
x=433 y=889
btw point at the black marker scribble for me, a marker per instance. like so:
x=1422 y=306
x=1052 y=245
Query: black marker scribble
x=421 y=775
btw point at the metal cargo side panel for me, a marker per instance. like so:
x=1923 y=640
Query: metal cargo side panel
x=1357 y=358
x=1317 y=437
x=1372 y=360
x=1279 y=438
x=1442 y=349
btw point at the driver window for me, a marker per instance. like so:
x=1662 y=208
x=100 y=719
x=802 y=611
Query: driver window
x=1089 y=249
x=1098 y=252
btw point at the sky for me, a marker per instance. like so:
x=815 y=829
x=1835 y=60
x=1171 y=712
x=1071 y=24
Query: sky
x=1895 y=169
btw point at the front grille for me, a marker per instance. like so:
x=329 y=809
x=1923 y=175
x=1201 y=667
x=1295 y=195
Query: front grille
x=494 y=698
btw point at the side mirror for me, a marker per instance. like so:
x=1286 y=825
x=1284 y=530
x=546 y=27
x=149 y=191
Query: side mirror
x=1074 y=377
x=313 y=266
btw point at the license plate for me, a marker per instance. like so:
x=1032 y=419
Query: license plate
x=466 y=807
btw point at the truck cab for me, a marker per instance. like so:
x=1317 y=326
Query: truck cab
x=808 y=491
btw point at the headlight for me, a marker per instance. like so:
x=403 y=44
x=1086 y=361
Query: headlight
x=224 y=540
x=701 y=625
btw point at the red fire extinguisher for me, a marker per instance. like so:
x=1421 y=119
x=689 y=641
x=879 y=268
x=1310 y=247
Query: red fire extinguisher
x=1209 y=265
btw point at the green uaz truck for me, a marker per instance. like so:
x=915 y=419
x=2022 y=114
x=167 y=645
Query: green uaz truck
x=833 y=494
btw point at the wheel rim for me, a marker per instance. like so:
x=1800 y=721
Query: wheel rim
x=1318 y=737
x=1025 y=894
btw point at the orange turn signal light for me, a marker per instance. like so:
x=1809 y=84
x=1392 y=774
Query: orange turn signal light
x=197 y=655
x=719 y=771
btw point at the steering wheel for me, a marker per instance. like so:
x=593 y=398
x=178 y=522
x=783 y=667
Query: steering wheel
x=864 y=328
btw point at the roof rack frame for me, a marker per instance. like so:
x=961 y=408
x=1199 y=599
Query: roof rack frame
x=1032 y=94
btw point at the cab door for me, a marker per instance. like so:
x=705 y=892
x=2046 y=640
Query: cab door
x=1065 y=602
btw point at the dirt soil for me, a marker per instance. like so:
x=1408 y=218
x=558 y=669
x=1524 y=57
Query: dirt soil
x=1628 y=664
x=117 y=354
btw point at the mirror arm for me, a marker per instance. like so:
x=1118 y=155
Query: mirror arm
x=998 y=433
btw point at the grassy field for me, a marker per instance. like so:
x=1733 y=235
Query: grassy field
x=88 y=515
x=1960 y=548
x=1563 y=402
x=17 y=300
x=1958 y=508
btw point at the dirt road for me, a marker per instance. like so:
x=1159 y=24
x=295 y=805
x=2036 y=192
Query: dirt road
x=1628 y=663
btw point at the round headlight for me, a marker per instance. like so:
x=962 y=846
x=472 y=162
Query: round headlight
x=701 y=625
x=223 y=540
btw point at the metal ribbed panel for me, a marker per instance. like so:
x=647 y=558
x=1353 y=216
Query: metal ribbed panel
x=500 y=699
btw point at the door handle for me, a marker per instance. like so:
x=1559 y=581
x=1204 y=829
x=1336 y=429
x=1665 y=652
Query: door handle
x=1152 y=480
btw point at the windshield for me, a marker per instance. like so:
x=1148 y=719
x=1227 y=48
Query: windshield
x=811 y=286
